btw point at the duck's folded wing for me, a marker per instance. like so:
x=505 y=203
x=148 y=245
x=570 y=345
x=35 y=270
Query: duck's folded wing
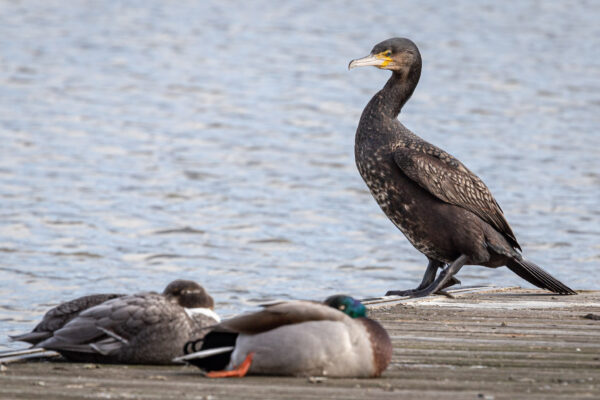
x=61 y=314
x=76 y=336
x=453 y=183
x=105 y=328
x=31 y=337
x=58 y=316
x=276 y=315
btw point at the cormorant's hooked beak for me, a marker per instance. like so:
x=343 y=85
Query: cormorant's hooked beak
x=377 y=60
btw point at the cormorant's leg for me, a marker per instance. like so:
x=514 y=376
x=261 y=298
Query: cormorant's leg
x=428 y=278
x=451 y=282
x=442 y=280
x=430 y=273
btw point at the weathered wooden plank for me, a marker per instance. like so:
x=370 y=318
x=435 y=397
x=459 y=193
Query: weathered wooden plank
x=483 y=344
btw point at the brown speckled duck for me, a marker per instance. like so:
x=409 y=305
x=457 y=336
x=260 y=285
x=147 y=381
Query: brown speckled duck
x=144 y=328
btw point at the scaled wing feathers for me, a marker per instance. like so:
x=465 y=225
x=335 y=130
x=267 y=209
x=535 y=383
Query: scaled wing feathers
x=452 y=182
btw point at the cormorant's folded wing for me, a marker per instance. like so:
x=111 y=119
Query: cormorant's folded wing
x=452 y=182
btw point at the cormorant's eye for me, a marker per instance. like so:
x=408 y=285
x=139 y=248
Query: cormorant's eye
x=388 y=53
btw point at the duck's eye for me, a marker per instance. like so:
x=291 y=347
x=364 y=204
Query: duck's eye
x=388 y=53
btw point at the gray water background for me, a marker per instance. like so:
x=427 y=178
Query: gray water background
x=143 y=141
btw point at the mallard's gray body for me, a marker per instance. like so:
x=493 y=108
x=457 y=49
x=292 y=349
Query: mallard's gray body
x=300 y=338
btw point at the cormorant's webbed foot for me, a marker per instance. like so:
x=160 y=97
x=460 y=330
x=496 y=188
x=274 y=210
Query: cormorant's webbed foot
x=410 y=292
x=443 y=281
x=402 y=293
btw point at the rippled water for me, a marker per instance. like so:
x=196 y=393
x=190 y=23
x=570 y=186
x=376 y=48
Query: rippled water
x=143 y=141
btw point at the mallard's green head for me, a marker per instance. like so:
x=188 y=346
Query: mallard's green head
x=346 y=304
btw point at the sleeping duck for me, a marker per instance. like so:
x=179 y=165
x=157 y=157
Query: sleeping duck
x=144 y=328
x=299 y=338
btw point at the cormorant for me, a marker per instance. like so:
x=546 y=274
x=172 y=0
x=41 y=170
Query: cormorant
x=443 y=209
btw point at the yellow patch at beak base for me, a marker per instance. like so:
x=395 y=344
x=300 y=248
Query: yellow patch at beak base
x=386 y=59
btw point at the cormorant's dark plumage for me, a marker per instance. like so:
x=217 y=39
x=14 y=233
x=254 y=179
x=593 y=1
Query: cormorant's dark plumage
x=444 y=210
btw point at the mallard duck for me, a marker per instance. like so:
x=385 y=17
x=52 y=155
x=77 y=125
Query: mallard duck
x=299 y=338
x=144 y=328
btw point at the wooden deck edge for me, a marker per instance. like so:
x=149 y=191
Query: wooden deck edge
x=389 y=301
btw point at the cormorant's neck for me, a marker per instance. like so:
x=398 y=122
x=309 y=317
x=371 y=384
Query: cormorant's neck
x=396 y=92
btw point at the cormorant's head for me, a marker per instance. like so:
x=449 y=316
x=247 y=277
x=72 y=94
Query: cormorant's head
x=346 y=304
x=188 y=294
x=396 y=54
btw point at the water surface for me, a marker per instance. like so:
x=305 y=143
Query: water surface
x=143 y=141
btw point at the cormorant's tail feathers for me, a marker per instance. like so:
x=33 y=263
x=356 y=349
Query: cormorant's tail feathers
x=538 y=277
